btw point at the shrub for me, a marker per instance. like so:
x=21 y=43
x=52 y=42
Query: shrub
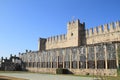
x=61 y=71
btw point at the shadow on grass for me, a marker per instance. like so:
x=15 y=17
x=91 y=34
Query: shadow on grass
x=4 y=79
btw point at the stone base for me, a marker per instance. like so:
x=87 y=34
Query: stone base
x=101 y=72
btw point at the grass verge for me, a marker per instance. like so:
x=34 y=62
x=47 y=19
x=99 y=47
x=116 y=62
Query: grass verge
x=10 y=78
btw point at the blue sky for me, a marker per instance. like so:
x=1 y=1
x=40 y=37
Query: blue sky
x=22 y=22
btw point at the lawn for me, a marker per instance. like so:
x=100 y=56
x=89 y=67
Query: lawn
x=104 y=77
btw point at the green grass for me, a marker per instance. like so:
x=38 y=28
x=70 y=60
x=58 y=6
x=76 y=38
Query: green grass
x=10 y=78
x=13 y=72
x=105 y=77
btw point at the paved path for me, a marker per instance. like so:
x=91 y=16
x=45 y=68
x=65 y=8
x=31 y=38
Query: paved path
x=37 y=76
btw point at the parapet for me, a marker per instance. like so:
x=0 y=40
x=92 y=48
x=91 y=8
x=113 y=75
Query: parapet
x=57 y=38
x=112 y=27
x=103 y=29
x=74 y=23
x=95 y=30
x=91 y=32
x=106 y=28
x=117 y=24
x=100 y=29
x=87 y=32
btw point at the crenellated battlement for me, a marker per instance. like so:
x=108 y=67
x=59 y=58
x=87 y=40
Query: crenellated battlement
x=57 y=38
x=97 y=46
x=103 y=29
x=77 y=35
x=74 y=24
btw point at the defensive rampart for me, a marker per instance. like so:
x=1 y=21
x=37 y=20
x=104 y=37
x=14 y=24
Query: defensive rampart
x=97 y=59
x=103 y=33
x=56 y=42
x=77 y=35
x=81 y=51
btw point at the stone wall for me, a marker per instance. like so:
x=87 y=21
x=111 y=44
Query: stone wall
x=56 y=42
x=101 y=72
x=74 y=37
x=103 y=33
x=96 y=57
x=78 y=36
x=81 y=51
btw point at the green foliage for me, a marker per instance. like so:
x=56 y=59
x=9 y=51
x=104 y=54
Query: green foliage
x=61 y=71
x=118 y=72
x=118 y=51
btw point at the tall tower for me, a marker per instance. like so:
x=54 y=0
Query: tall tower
x=41 y=44
x=75 y=33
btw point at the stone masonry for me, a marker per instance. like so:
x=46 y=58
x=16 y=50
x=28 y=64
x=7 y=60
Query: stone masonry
x=78 y=36
x=81 y=51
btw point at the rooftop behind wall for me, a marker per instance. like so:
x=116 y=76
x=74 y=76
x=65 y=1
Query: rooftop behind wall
x=103 y=29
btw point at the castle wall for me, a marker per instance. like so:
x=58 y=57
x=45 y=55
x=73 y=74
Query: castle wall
x=103 y=33
x=41 y=44
x=102 y=72
x=99 y=59
x=56 y=42
x=91 y=51
x=77 y=35
x=71 y=39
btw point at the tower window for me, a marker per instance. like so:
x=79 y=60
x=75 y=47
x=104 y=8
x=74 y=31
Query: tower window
x=71 y=34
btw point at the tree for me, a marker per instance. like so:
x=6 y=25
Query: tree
x=118 y=51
